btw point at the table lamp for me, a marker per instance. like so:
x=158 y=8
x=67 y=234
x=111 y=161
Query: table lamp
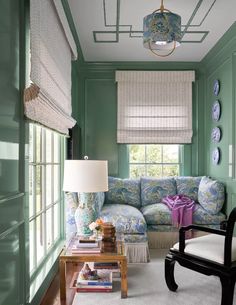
x=86 y=177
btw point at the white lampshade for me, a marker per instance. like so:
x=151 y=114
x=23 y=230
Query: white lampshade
x=85 y=176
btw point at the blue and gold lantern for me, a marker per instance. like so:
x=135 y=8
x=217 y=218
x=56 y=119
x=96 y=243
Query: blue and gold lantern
x=162 y=30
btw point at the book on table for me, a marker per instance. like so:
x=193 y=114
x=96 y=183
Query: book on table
x=106 y=265
x=104 y=279
x=76 y=249
x=87 y=243
x=103 y=284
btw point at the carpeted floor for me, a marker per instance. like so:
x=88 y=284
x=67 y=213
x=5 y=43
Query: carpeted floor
x=146 y=286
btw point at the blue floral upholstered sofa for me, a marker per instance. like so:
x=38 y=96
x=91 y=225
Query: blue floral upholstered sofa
x=135 y=207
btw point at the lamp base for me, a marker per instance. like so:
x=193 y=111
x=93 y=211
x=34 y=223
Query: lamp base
x=85 y=214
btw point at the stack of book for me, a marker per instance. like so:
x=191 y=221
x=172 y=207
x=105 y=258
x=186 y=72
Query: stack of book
x=85 y=246
x=102 y=284
x=108 y=267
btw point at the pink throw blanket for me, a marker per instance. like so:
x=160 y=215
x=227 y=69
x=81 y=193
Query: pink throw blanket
x=182 y=208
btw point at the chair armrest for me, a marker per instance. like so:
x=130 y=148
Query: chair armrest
x=182 y=231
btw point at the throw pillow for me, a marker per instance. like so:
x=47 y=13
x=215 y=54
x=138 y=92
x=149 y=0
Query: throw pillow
x=211 y=195
x=154 y=189
x=188 y=186
x=123 y=191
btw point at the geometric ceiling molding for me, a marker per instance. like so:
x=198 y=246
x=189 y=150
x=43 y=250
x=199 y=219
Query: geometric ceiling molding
x=188 y=36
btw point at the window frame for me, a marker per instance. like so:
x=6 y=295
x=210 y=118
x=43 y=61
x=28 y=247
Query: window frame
x=162 y=164
x=58 y=204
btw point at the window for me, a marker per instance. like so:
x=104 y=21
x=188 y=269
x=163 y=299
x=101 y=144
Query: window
x=45 y=155
x=154 y=160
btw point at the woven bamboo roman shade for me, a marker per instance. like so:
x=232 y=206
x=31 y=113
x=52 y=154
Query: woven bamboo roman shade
x=154 y=107
x=48 y=99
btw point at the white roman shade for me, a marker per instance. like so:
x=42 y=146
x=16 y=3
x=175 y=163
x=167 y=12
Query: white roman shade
x=48 y=99
x=154 y=107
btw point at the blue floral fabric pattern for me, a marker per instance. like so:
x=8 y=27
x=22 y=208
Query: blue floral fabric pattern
x=170 y=228
x=157 y=214
x=153 y=190
x=123 y=191
x=160 y=214
x=98 y=201
x=71 y=204
x=211 y=195
x=188 y=186
x=202 y=217
x=135 y=238
x=125 y=218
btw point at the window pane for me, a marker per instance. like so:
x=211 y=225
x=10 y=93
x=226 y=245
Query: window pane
x=137 y=171
x=38 y=144
x=48 y=146
x=56 y=148
x=44 y=187
x=56 y=221
x=49 y=189
x=154 y=170
x=137 y=153
x=31 y=142
x=31 y=190
x=56 y=182
x=170 y=170
x=49 y=227
x=31 y=245
x=153 y=154
x=39 y=238
x=38 y=188
x=170 y=153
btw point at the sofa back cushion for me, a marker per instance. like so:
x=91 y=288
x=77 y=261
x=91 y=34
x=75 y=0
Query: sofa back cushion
x=188 y=186
x=153 y=189
x=211 y=195
x=123 y=191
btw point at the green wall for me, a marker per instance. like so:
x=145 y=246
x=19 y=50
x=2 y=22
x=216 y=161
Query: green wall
x=97 y=114
x=220 y=64
x=13 y=248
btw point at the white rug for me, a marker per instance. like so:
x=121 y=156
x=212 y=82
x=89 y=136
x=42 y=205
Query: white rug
x=146 y=286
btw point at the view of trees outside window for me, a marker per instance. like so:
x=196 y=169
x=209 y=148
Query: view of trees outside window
x=45 y=198
x=154 y=160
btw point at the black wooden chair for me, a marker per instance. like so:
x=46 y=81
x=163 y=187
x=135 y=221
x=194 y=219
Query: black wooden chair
x=212 y=254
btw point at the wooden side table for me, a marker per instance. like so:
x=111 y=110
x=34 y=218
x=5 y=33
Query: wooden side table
x=66 y=256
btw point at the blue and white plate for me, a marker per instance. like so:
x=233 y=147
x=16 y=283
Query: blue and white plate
x=216 y=111
x=216 y=87
x=216 y=134
x=216 y=156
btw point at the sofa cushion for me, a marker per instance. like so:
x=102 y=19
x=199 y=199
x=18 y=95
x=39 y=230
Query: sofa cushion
x=188 y=186
x=153 y=189
x=123 y=191
x=211 y=195
x=160 y=214
x=98 y=201
x=202 y=217
x=157 y=213
x=125 y=218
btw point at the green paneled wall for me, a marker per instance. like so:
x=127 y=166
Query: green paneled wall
x=98 y=114
x=220 y=64
x=13 y=279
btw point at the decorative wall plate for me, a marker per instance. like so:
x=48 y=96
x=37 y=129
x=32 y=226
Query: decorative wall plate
x=216 y=156
x=216 y=87
x=216 y=111
x=216 y=134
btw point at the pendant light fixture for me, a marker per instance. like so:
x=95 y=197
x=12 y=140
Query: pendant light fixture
x=162 y=31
